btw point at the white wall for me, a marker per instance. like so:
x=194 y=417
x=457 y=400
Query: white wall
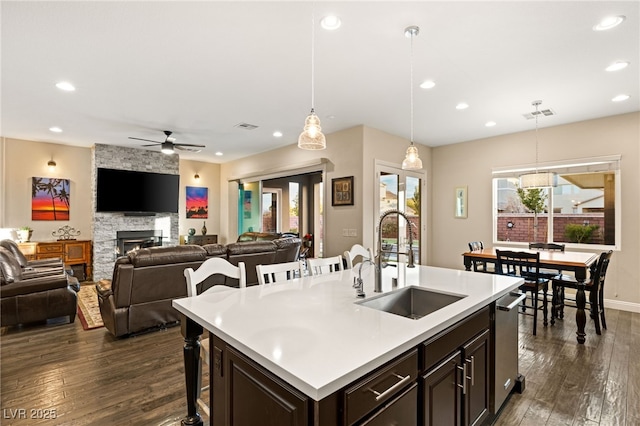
x=26 y=159
x=209 y=178
x=471 y=163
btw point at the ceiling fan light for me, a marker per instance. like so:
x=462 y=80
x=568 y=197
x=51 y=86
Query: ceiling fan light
x=167 y=148
x=412 y=159
x=311 y=137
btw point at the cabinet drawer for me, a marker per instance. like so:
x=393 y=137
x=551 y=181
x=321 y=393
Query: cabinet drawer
x=49 y=248
x=403 y=410
x=437 y=348
x=379 y=386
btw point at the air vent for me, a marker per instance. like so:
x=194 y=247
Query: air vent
x=546 y=112
x=246 y=126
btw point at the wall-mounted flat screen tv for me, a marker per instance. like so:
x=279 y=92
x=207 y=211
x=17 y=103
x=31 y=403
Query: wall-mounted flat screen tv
x=127 y=191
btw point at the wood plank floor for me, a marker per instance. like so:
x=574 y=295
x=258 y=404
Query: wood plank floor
x=89 y=377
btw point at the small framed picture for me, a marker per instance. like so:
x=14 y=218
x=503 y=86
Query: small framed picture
x=342 y=191
x=461 y=202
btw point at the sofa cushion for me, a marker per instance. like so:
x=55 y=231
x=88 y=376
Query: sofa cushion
x=288 y=249
x=215 y=250
x=166 y=255
x=257 y=236
x=34 y=285
x=10 y=269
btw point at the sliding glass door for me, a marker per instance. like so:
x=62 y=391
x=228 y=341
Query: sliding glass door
x=399 y=190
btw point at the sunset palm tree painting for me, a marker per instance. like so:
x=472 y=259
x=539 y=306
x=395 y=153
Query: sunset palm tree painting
x=50 y=199
x=197 y=202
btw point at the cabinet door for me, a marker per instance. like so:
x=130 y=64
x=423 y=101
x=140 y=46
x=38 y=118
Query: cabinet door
x=76 y=252
x=476 y=358
x=402 y=410
x=255 y=397
x=442 y=387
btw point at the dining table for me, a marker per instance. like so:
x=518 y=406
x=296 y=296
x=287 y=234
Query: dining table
x=579 y=263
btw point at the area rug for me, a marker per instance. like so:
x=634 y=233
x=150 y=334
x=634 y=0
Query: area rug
x=88 y=309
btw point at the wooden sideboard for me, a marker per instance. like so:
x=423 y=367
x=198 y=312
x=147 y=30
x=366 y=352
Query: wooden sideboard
x=201 y=239
x=76 y=254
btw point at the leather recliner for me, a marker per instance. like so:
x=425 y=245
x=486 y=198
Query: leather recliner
x=52 y=264
x=145 y=281
x=32 y=296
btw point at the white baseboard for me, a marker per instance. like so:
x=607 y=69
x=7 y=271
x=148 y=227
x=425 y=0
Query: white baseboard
x=622 y=306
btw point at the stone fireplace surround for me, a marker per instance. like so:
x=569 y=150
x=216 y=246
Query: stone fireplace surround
x=106 y=225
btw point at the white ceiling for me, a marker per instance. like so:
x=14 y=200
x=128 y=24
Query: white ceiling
x=200 y=68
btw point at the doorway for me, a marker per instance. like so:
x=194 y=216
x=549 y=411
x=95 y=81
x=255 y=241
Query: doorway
x=400 y=190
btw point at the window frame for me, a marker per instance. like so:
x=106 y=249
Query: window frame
x=584 y=165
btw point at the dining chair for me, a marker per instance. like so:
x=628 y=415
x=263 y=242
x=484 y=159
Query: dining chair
x=357 y=251
x=594 y=285
x=196 y=281
x=545 y=272
x=526 y=265
x=318 y=266
x=277 y=272
x=478 y=265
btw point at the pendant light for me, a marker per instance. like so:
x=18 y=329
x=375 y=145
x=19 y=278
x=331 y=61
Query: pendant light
x=311 y=137
x=538 y=179
x=412 y=159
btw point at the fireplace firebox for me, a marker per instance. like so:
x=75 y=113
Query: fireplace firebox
x=133 y=240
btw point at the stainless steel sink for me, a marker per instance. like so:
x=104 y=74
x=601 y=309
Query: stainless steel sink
x=411 y=302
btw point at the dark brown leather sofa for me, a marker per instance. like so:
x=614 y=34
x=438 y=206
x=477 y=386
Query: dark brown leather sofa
x=27 y=297
x=144 y=282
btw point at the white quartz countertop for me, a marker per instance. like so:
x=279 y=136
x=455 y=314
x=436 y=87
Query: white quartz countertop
x=310 y=333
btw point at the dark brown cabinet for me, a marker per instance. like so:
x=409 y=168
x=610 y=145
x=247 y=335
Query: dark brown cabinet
x=248 y=395
x=456 y=389
x=444 y=381
x=201 y=240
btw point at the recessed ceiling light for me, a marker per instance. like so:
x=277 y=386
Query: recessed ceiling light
x=609 y=22
x=66 y=86
x=277 y=134
x=330 y=22
x=620 y=98
x=462 y=105
x=55 y=129
x=427 y=84
x=617 y=66
x=490 y=123
x=218 y=153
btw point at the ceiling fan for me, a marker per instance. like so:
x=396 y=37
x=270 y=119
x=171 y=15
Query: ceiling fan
x=169 y=145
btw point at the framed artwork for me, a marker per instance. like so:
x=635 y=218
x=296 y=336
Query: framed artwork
x=197 y=203
x=461 y=202
x=50 y=198
x=342 y=191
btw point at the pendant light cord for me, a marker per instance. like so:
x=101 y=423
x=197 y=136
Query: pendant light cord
x=411 y=87
x=537 y=103
x=313 y=55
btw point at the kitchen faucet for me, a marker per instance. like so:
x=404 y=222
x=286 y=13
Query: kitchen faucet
x=358 y=284
x=379 y=265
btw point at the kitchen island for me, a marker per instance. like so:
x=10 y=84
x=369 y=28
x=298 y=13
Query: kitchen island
x=309 y=351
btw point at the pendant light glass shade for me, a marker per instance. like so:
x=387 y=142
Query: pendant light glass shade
x=412 y=159
x=311 y=137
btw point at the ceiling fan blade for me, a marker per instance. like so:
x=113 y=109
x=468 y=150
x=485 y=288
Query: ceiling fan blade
x=146 y=140
x=181 y=148
x=155 y=144
x=189 y=144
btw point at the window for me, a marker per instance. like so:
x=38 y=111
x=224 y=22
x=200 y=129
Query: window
x=582 y=210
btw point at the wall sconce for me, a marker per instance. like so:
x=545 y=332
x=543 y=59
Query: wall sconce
x=52 y=165
x=196 y=176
